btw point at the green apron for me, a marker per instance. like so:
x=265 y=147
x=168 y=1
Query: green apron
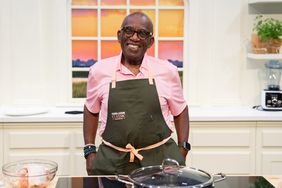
x=135 y=117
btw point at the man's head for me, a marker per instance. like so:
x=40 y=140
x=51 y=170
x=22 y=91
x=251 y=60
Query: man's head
x=135 y=37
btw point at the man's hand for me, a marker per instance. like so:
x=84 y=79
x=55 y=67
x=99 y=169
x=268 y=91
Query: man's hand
x=89 y=163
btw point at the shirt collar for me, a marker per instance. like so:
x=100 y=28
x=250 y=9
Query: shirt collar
x=143 y=68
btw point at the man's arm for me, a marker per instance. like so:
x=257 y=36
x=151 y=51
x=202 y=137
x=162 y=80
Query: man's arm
x=182 y=128
x=90 y=125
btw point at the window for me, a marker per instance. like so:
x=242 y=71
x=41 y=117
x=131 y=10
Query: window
x=94 y=27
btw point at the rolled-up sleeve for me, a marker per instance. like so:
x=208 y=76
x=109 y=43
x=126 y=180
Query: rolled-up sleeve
x=176 y=100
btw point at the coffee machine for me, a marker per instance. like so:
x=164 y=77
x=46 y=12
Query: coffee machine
x=271 y=98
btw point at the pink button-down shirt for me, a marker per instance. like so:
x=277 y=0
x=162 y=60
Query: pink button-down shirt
x=165 y=74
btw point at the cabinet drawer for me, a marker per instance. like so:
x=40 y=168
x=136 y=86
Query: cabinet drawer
x=38 y=139
x=271 y=138
x=222 y=137
x=224 y=161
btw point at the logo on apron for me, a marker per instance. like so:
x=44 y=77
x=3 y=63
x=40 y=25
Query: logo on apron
x=118 y=115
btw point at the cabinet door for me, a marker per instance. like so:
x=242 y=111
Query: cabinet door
x=226 y=147
x=269 y=148
x=40 y=141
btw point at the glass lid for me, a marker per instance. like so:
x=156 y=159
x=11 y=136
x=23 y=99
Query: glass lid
x=168 y=175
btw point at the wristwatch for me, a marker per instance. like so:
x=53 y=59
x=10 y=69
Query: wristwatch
x=185 y=145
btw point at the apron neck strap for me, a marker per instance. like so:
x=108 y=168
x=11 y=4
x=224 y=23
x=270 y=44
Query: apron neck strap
x=114 y=75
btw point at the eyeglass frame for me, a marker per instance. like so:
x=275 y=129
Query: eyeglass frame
x=150 y=34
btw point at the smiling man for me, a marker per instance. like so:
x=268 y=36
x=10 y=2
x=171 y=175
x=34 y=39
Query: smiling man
x=134 y=94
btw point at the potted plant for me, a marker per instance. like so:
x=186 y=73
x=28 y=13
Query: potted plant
x=267 y=36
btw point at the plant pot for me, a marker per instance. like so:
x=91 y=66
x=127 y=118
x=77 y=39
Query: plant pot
x=271 y=46
x=258 y=47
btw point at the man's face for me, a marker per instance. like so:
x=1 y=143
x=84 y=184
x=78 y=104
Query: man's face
x=135 y=37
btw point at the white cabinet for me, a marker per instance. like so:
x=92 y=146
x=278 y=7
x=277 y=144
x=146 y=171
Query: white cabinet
x=269 y=148
x=227 y=147
x=54 y=141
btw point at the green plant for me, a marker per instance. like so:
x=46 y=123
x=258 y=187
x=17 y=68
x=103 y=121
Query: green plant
x=267 y=28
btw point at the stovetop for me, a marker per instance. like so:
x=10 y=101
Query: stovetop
x=111 y=182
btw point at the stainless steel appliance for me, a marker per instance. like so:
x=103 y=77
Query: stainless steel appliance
x=271 y=96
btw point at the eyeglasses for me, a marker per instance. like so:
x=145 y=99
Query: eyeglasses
x=141 y=33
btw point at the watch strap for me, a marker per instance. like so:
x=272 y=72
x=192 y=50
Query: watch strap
x=185 y=145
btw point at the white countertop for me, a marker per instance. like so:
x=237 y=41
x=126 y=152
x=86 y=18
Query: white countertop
x=57 y=114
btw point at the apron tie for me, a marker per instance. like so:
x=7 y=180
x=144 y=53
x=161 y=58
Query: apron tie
x=134 y=152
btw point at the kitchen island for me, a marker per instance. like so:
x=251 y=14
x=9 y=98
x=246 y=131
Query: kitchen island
x=219 y=136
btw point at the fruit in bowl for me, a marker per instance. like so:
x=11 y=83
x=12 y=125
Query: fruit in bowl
x=31 y=173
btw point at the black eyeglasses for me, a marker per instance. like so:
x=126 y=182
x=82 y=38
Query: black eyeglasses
x=141 y=33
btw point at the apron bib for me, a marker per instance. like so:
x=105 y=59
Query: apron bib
x=135 y=117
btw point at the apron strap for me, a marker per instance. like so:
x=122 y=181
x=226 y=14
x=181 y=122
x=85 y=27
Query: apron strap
x=150 y=76
x=135 y=152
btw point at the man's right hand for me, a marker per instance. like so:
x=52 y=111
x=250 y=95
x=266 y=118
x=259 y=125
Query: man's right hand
x=89 y=163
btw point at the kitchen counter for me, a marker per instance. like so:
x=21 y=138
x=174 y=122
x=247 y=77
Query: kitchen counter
x=57 y=114
x=276 y=181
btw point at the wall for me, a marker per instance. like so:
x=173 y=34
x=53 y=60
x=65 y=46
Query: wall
x=34 y=53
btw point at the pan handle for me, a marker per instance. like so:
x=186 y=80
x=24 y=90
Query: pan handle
x=222 y=177
x=124 y=179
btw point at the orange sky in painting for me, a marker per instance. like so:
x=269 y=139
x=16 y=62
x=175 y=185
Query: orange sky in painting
x=171 y=50
x=171 y=2
x=171 y=23
x=84 y=22
x=109 y=48
x=84 y=50
x=84 y=2
x=142 y=2
x=111 y=21
x=113 y=2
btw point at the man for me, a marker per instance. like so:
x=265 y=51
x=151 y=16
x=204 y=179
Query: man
x=134 y=94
